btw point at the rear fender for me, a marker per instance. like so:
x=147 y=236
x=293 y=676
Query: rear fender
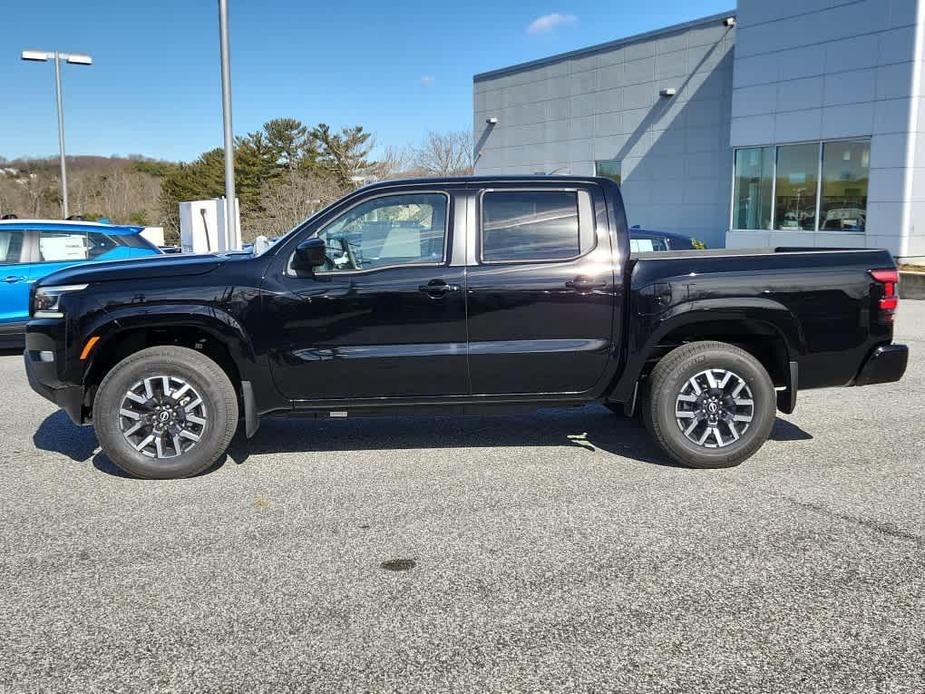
x=647 y=333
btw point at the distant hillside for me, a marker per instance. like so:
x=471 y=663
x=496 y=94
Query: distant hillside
x=125 y=189
x=87 y=162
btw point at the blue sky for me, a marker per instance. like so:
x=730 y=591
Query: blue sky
x=399 y=68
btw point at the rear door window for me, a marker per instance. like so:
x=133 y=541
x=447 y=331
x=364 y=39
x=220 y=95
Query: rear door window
x=62 y=246
x=535 y=225
x=11 y=246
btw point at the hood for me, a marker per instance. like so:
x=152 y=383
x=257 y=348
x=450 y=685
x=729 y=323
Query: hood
x=148 y=267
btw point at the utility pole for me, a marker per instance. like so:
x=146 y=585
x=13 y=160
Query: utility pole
x=60 y=100
x=231 y=218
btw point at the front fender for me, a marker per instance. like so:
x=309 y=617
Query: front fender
x=221 y=325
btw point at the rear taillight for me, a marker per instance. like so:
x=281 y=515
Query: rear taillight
x=889 y=298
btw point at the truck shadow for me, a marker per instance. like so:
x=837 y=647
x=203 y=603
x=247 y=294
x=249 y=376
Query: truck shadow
x=592 y=428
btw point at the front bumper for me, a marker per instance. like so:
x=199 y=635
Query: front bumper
x=44 y=380
x=885 y=365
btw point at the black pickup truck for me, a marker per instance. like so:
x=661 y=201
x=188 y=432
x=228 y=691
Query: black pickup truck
x=459 y=296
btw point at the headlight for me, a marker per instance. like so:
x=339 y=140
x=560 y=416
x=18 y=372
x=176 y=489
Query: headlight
x=46 y=301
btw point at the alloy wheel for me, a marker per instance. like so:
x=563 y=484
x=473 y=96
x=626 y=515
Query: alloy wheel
x=162 y=416
x=714 y=408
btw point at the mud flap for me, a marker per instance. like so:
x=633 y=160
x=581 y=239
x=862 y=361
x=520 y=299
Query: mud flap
x=251 y=418
x=787 y=398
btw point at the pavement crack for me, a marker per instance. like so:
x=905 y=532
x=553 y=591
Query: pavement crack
x=880 y=527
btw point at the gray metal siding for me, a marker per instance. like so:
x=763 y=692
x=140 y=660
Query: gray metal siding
x=808 y=70
x=563 y=114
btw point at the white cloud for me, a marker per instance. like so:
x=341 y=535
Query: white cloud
x=550 y=22
x=427 y=81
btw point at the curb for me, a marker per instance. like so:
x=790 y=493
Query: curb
x=912 y=285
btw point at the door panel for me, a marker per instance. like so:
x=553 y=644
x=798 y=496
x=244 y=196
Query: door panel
x=539 y=326
x=14 y=277
x=355 y=330
x=372 y=335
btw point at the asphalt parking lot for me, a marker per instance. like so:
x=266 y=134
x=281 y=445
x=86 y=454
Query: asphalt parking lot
x=553 y=551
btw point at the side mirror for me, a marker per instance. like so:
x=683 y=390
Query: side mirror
x=309 y=254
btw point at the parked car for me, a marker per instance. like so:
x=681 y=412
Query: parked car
x=648 y=240
x=31 y=249
x=463 y=295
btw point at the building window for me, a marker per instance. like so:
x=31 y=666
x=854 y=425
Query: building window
x=611 y=169
x=844 y=186
x=781 y=187
x=797 y=186
x=754 y=171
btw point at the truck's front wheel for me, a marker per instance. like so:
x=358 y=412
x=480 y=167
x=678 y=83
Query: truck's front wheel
x=710 y=405
x=165 y=412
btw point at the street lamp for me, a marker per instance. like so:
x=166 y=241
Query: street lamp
x=73 y=59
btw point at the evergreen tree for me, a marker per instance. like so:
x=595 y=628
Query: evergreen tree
x=344 y=154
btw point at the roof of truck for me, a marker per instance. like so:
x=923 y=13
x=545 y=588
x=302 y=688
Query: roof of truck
x=482 y=180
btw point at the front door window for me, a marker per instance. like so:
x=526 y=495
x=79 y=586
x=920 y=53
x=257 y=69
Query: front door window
x=389 y=231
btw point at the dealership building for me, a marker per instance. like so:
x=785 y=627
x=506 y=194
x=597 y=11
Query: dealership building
x=779 y=123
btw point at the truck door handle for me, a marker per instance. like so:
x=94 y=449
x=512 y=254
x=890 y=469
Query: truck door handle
x=438 y=288
x=584 y=284
x=13 y=279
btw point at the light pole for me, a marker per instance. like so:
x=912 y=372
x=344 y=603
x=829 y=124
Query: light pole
x=230 y=207
x=74 y=59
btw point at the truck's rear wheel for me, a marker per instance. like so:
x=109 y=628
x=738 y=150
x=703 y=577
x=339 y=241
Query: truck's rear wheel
x=165 y=412
x=710 y=405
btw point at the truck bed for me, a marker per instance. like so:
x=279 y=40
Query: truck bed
x=820 y=304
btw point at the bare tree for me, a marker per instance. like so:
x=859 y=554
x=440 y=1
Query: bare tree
x=27 y=193
x=395 y=163
x=289 y=201
x=446 y=154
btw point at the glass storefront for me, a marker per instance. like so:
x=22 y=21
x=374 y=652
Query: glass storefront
x=779 y=187
x=844 y=186
x=754 y=168
x=797 y=186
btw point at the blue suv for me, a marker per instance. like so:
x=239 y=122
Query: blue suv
x=30 y=250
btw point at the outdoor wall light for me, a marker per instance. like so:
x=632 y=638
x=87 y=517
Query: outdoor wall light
x=668 y=93
x=729 y=22
x=492 y=121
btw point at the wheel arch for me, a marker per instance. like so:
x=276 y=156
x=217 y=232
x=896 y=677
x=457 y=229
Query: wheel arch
x=764 y=328
x=207 y=330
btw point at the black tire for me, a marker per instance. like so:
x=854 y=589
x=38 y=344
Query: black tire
x=206 y=378
x=670 y=378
